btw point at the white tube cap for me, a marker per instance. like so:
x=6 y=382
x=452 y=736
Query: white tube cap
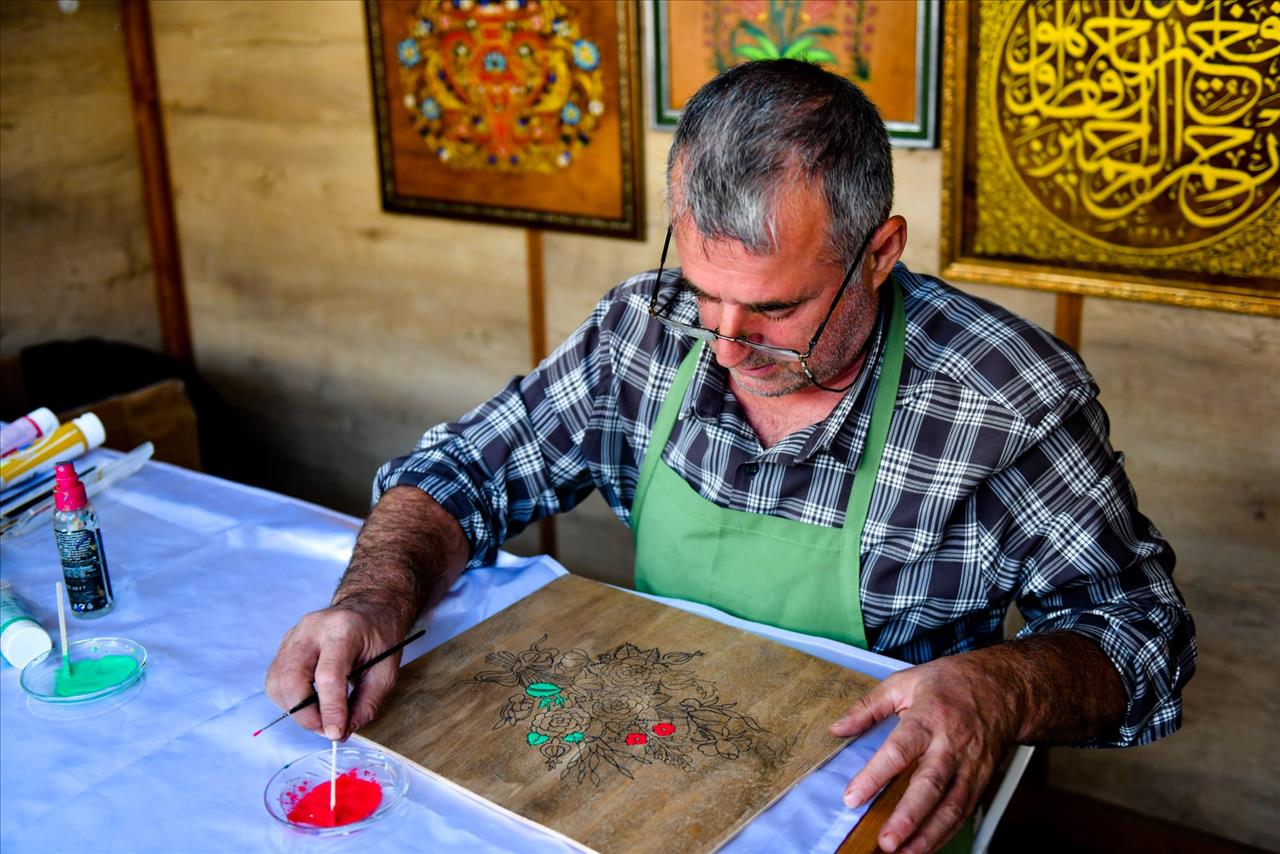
x=44 y=419
x=23 y=641
x=91 y=426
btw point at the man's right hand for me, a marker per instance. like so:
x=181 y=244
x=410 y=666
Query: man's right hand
x=409 y=553
x=324 y=648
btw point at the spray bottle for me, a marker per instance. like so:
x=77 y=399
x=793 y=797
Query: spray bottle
x=84 y=560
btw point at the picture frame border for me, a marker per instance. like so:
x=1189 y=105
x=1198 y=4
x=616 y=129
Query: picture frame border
x=630 y=225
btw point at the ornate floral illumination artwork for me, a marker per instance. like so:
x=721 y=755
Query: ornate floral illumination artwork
x=1120 y=149
x=502 y=86
x=517 y=111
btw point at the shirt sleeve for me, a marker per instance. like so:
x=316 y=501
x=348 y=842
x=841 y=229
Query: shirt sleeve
x=518 y=456
x=1092 y=564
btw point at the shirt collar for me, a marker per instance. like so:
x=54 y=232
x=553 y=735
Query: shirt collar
x=705 y=398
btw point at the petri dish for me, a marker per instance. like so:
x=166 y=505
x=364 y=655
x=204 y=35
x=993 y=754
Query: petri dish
x=40 y=677
x=292 y=783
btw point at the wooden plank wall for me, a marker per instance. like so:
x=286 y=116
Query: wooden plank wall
x=75 y=259
x=339 y=332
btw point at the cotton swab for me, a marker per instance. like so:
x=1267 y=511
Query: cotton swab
x=333 y=776
x=62 y=628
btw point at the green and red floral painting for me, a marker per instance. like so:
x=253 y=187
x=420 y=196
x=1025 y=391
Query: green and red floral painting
x=616 y=711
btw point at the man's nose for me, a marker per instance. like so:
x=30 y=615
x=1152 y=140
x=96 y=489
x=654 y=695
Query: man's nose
x=732 y=321
x=732 y=325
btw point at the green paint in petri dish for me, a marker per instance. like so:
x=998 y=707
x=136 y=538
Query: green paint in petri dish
x=94 y=674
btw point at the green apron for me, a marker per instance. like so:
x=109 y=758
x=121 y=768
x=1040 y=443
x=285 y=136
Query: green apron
x=771 y=570
x=790 y=574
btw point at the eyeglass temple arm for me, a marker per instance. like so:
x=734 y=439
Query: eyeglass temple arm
x=657 y=284
x=848 y=276
x=813 y=342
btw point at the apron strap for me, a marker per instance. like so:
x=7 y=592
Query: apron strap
x=662 y=428
x=864 y=476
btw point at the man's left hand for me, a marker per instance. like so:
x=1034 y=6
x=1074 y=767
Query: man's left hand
x=957 y=715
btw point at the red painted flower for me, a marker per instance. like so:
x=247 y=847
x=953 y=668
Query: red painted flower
x=634 y=738
x=664 y=729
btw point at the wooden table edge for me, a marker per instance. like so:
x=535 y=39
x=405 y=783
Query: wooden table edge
x=863 y=838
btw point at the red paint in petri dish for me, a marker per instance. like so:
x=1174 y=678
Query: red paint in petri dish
x=357 y=798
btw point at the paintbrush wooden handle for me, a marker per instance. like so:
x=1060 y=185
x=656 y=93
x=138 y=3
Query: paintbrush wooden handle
x=359 y=670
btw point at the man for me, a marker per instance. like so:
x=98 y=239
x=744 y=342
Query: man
x=801 y=431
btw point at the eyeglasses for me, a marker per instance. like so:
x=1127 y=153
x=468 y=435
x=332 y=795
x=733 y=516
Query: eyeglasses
x=781 y=353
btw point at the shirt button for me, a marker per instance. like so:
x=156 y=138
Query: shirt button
x=750 y=469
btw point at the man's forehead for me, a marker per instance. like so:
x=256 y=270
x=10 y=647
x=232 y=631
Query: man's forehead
x=698 y=247
x=711 y=258
x=754 y=280
x=794 y=222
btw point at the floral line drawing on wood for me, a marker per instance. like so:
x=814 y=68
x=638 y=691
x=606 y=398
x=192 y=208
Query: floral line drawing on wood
x=621 y=709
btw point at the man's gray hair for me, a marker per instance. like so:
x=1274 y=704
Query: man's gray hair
x=758 y=125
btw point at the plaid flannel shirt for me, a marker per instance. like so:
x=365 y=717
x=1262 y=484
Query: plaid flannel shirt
x=998 y=483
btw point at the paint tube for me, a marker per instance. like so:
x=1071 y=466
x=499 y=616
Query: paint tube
x=66 y=443
x=22 y=638
x=28 y=429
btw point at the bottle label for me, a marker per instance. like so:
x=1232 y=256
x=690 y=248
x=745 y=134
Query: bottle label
x=84 y=566
x=11 y=610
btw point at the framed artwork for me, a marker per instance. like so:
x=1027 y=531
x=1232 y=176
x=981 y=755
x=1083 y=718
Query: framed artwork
x=888 y=47
x=1115 y=149
x=521 y=112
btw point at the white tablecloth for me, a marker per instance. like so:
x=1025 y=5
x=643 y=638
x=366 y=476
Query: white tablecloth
x=208 y=576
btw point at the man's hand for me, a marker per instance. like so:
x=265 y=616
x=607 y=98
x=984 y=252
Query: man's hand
x=959 y=715
x=958 y=720
x=408 y=554
x=325 y=646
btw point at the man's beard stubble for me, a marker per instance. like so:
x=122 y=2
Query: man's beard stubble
x=829 y=359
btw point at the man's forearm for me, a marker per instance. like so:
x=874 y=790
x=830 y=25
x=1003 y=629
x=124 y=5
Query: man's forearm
x=408 y=554
x=1065 y=688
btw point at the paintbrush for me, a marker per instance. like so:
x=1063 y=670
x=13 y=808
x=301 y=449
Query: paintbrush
x=355 y=674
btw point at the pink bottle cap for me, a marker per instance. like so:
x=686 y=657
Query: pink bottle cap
x=68 y=491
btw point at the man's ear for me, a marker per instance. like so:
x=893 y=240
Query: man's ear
x=884 y=250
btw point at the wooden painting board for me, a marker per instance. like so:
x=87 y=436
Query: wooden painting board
x=540 y=709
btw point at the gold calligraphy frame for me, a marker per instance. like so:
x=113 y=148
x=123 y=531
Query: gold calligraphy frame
x=601 y=193
x=963 y=182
